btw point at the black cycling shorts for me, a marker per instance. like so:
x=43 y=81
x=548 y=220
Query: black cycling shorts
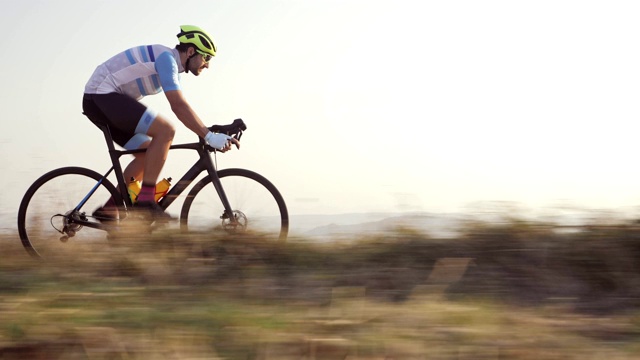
x=127 y=118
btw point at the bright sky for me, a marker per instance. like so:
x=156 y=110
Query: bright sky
x=353 y=106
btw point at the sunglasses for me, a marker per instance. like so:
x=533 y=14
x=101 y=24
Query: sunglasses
x=205 y=57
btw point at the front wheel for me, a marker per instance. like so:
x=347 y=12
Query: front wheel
x=54 y=208
x=256 y=203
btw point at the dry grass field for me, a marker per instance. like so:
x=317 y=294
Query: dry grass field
x=507 y=290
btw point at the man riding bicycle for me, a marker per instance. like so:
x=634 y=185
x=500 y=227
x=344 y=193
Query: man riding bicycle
x=111 y=97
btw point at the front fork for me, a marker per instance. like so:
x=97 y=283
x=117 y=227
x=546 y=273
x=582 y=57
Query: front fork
x=228 y=214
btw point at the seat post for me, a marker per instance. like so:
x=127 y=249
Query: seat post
x=107 y=136
x=115 y=160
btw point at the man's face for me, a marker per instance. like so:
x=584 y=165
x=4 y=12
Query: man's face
x=198 y=63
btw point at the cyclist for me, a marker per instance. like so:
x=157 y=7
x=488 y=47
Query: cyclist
x=111 y=97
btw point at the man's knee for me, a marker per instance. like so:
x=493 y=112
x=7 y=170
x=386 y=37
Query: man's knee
x=169 y=132
x=161 y=128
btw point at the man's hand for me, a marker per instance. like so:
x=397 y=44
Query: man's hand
x=232 y=141
x=220 y=141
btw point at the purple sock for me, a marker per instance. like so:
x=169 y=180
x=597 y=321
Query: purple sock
x=147 y=193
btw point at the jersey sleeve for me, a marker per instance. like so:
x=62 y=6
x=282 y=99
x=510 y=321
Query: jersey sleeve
x=167 y=69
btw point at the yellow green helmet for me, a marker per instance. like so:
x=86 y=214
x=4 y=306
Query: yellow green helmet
x=190 y=34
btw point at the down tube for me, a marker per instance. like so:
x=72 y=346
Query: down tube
x=182 y=184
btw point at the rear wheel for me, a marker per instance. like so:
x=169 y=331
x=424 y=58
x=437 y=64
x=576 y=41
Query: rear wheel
x=256 y=203
x=48 y=218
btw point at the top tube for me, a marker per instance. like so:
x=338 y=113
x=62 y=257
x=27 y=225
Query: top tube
x=188 y=146
x=234 y=129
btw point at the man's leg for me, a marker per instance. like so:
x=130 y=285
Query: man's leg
x=135 y=169
x=161 y=132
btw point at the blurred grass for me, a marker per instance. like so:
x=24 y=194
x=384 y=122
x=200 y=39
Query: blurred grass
x=507 y=289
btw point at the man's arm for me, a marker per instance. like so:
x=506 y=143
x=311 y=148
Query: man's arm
x=190 y=119
x=185 y=113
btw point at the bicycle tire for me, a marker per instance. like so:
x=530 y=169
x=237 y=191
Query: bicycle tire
x=51 y=196
x=250 y=194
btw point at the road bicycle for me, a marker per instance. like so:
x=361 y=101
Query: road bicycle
x=56 y=210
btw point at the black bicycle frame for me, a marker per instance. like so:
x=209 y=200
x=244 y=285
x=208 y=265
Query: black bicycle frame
x=203 y=163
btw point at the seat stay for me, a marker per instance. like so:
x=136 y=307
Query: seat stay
x=92 y=191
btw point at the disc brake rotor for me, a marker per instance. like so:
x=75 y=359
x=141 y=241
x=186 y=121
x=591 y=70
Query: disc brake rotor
x=237 y=223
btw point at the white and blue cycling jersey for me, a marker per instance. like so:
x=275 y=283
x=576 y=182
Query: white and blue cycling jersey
x=138 y=72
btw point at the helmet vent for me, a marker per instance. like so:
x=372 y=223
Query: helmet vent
x=205 y=42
